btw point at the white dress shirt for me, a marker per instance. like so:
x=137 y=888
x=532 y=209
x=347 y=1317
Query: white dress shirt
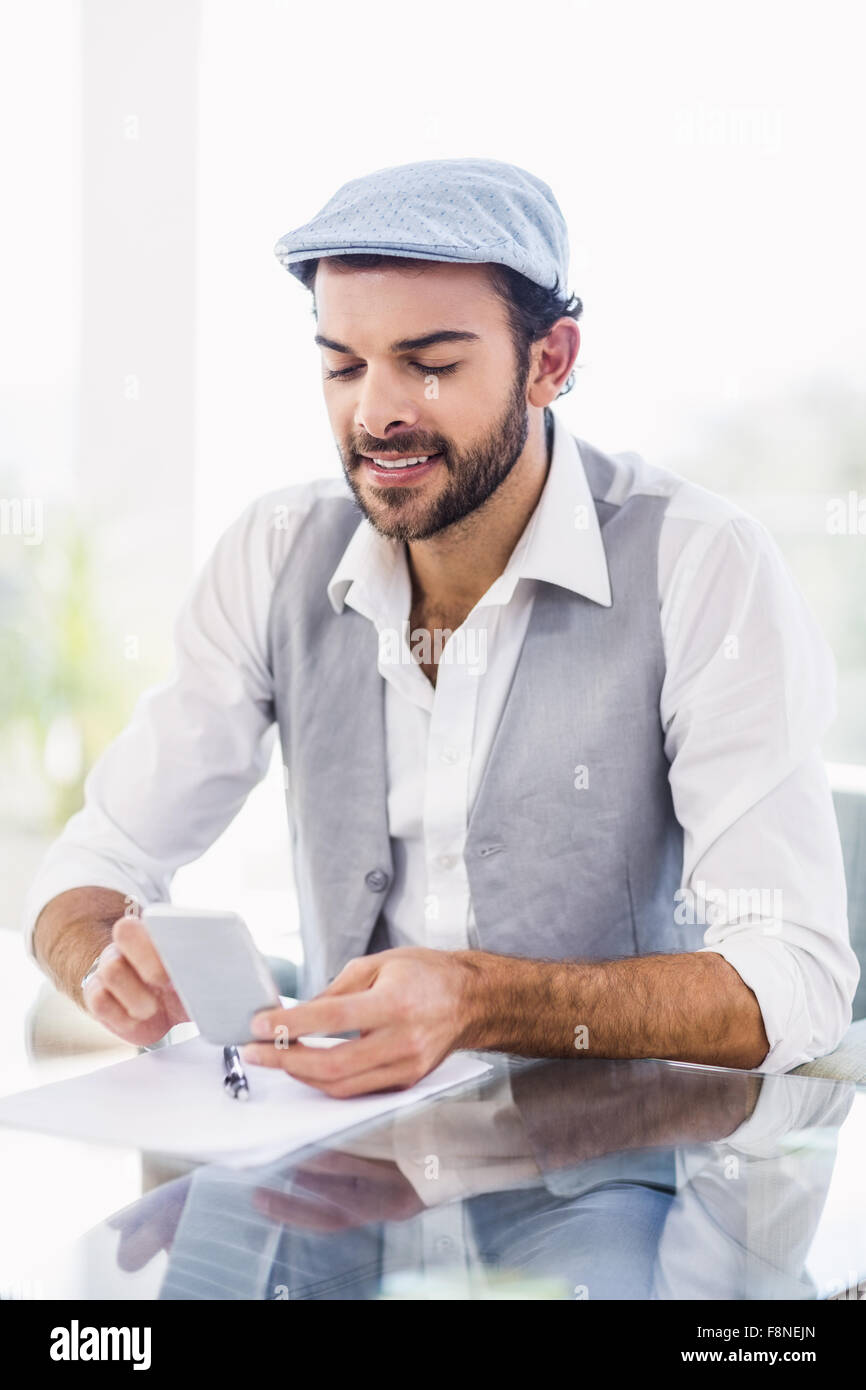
x=748 y=694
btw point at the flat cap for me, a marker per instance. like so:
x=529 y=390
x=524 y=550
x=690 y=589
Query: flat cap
x=475 y=210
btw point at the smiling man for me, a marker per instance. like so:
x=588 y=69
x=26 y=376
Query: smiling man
x=550 y=717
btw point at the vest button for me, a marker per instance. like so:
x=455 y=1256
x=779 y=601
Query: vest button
x=376 y=880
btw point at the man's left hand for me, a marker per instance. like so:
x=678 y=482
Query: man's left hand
x=412 y=1007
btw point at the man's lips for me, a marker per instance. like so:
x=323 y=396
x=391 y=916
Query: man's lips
x=393 y=473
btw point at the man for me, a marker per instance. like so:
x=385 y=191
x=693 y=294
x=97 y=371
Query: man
x=550 y=719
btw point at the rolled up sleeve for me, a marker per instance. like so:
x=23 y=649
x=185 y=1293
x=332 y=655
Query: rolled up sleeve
x=748 y=695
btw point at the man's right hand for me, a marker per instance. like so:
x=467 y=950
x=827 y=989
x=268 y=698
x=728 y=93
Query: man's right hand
x=131 y=993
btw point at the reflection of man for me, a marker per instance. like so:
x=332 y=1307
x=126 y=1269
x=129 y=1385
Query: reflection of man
x=530 y=696
x=625 y=1182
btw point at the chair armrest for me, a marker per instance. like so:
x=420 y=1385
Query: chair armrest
x=846 y=1063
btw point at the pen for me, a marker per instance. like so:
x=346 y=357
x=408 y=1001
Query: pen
x=235 y=1079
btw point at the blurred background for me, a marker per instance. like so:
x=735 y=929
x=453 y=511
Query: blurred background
x=156 y=363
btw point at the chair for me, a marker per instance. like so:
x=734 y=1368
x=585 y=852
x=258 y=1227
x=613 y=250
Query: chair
x=848 y=1061
x=285 y=973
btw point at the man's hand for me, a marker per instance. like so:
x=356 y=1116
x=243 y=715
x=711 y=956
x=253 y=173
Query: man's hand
x=337 y=1191
x=131 y=993
x=412 y=1007
x=149 y=1225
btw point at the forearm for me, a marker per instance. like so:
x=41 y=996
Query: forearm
x=72 y=930
x=688 y=1008
x=573 y=1114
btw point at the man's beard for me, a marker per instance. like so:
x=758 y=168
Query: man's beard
x=474 y=475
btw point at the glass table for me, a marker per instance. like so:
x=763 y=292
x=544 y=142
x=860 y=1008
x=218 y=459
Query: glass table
x=573 y=1180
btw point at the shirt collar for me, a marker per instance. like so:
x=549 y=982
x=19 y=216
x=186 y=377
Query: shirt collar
x=561 y=544
x=372 y=567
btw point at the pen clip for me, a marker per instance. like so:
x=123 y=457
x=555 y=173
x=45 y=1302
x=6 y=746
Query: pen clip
x=235 y=1079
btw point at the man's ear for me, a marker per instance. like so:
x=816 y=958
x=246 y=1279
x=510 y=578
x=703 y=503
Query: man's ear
x=552 y=361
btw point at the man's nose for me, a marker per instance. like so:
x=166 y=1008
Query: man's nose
x=384 y=406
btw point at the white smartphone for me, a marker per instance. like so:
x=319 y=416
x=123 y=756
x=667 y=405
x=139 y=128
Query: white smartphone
x=216 y=968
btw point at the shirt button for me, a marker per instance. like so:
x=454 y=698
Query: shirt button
x=446 y=861
x=450 y=755
x=376 y=880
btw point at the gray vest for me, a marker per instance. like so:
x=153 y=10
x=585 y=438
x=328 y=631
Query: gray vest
x=561 y=863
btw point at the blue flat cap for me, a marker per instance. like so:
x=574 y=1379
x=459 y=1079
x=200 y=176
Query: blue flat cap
x=441 y=210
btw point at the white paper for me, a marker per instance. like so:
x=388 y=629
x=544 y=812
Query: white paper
x=173 y=1101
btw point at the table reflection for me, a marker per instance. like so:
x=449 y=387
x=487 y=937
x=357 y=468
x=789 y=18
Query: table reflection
x=591 y=1180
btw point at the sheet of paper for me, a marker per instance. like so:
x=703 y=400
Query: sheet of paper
x=172 y=1101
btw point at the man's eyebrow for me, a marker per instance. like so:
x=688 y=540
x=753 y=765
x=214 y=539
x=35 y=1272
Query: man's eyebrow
x=443 y=335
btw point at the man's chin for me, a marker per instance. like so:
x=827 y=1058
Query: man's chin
x=396 y=513
x=399 y=523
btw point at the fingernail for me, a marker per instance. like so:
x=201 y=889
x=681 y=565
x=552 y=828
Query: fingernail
x=262 y=1027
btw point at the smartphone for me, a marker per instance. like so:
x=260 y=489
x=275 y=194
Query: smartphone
x=216 y=968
